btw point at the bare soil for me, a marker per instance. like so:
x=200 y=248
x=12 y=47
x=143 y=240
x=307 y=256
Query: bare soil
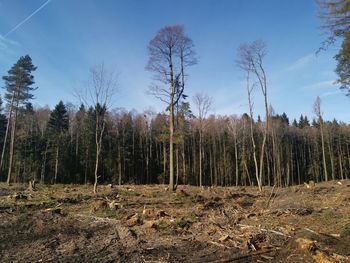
x=68 y=223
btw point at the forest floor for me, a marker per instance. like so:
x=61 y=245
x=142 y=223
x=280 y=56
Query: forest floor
x=68 y=223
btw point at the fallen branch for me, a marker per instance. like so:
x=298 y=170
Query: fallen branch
x=336 y=236
x=100 y=219
x=218 y=244
x=263 y=229
x=142 y=204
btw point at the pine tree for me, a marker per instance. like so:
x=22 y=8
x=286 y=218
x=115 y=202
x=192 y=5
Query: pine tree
x=285 y=119
x=295 y=123
x=57 y=127
x=303 y=122
x=18 y=86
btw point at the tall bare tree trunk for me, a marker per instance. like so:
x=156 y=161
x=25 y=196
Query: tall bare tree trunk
x=86 y=165
x=148 y=152
x=183 y=162
x=171 y=149
x=236 y=160
x=177 y=166
x=164 y=162
x=7 y=131
x=266 y=127
x=249 y=90
x=43 y=167
x=211 y=166
x=56 y=163
x=96 y=169
x=331 y=154
x=317 y=111
x=323 y=152
x=340 y=160
x=171 y=127
x=12 y=144
x=119 y=165
x=200 y=158
x=99 y=134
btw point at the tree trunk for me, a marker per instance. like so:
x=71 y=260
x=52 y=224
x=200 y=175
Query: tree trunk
x=56 y=163
x=236 y=160
x=331 y=155
x=177 y=167
x=171 y=125
x=12 y=144
x=164 y=162
x=200 y=159
x=43 y=167
x=323 y=153
x=86 y=165
x=254 y=154
x=6 y=132
x=96 y=168
x=340 y=154
x=183 y=163
x=171 y=152
x=119 y=166
x=99 y=134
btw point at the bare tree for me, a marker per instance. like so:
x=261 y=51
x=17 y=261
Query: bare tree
x=203 y=103
x=251 y=122
x=318 y=113
x=101 y=87
x=170 y=52
x=250 y=59
x=233 y=126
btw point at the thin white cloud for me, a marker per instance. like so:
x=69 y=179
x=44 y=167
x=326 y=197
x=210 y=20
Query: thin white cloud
x=7 y=44
x=301 y=62
x=27 y=18
x=322 y=85
x=331 y=93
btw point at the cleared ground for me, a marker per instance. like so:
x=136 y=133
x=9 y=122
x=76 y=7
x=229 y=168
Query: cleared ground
x=68 y=223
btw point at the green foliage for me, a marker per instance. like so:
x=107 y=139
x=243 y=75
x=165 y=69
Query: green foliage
x=303 y=122
x=283 y=118
x=59 y=121
x=19 y=81
x=343 y=64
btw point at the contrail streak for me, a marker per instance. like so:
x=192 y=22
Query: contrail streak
x=27 y=18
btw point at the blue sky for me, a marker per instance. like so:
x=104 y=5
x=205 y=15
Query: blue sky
x=67 y=37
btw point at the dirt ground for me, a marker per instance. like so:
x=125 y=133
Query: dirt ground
x=68 y=223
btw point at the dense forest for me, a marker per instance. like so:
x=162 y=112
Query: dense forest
x=94 y=143
x=59 y=146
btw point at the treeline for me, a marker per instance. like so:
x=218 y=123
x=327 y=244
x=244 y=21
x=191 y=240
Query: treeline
x=59 y=146
x=93 y=143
